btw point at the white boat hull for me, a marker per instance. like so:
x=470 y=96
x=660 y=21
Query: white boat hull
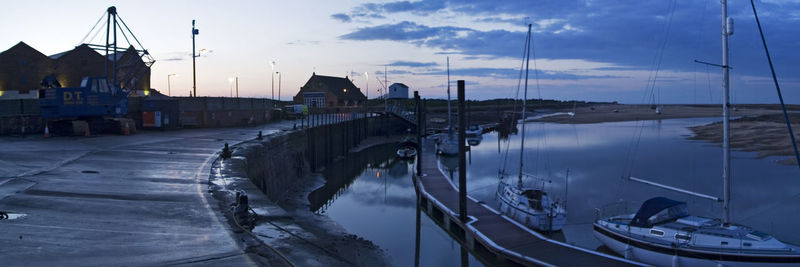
x=538 y=221
x=667 y=256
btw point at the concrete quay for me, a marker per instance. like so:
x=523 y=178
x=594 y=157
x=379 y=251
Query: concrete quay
x=118 y=200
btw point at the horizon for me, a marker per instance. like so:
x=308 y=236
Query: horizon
x=582 y=50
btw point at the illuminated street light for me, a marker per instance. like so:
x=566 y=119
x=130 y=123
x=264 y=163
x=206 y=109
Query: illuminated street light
x=169 y=87
x=279 y=85
x=230 y=84
x=272 y=64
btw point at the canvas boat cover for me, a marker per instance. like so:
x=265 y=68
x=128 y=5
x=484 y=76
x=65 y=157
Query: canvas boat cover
x=657 y=210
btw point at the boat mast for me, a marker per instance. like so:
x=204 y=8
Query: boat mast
x=524 y=98
x=726 y=154
x=449 y=116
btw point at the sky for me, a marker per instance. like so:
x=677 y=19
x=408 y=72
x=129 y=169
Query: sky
x=591 y=50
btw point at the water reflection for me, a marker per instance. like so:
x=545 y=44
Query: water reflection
x=371 y=194
x=599 y=155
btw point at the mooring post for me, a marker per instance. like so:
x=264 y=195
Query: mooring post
x=419 y=135
x=462 y=160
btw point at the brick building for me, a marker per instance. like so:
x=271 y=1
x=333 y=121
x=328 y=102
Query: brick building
x=327 y=91
x=22 y=69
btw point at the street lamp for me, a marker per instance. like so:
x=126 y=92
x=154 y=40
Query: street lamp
x=230 y=84
x=279 y=85
x=169 y=87
x=272 y=64
x=194 y=63
x=366 y=74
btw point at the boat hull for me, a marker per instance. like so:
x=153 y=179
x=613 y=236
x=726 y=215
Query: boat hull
x=658 y=255
x=545 y=220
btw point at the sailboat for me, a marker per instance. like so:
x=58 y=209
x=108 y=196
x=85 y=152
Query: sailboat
x=448 y=144
x=529 y=205
x=663 y=232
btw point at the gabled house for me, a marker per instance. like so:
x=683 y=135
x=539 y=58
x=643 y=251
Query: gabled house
x=327 y=91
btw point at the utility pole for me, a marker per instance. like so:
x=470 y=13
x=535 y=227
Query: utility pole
x=237 y=86
x=194 y=61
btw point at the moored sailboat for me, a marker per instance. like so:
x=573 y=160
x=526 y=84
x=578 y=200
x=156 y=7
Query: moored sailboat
x=663 y=233
x=529 y=205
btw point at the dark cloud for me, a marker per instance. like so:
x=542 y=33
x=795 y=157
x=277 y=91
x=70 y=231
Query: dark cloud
x=626 y=33
x=412 y=64
x=341 y=17
x=511 y=73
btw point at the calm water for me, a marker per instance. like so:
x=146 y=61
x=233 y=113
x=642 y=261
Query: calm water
x=766 y=195
x=371 y=195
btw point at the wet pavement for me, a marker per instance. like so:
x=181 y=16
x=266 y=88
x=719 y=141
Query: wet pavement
x=123 y=200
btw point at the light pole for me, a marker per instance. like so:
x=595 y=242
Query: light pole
x=237 y=86
x=169 y=87
x=230 y=85
x=279 y=85
x=272 y=64
x=194 y=63
x=366 y=74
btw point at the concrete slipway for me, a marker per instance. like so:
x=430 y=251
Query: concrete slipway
x=119 y=200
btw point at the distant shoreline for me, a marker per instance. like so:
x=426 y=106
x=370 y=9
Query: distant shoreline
x=759 y=129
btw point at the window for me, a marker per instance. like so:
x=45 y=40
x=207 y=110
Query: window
x=656 y=232
x=683 y=237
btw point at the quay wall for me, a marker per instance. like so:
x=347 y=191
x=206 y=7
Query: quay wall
x=276 y=163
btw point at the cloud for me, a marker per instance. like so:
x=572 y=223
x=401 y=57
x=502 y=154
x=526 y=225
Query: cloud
x=412 y=64
x=341 y=17
x=511 y=73
x=303 y=42
x=626 y=33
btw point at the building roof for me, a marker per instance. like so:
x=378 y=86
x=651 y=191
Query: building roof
x=400 y=84
x=23 y=46
x=337 y=85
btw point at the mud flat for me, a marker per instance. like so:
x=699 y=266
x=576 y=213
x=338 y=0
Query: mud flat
x=613 y=113
x=765 y=134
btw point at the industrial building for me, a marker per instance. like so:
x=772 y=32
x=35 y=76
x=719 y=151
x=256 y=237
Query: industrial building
x=23 y=69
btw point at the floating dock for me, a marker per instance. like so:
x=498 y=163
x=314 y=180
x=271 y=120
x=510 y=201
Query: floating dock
x=491 y=236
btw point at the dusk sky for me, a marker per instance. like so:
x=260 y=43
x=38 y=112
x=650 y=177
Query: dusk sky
x=593 y=50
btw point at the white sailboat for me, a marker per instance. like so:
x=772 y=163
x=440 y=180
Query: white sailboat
x=663 y=233
x=448 y=144
x=529 y=205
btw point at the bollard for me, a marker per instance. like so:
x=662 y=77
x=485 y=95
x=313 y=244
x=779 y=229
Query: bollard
x=226 y=152
x=260 y=136
x=46 y=131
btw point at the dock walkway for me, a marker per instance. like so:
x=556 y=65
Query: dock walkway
x=494 y=236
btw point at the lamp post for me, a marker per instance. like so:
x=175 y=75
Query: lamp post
x=237 y=86
x=272 y=64
x=366 y=74
x=169 y=87
x=230 y=85
x=194 y=63
x=279 y=85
